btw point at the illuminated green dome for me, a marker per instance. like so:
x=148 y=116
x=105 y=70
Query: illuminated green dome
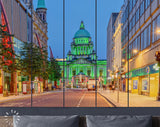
x=41 y=4
x=82 y=32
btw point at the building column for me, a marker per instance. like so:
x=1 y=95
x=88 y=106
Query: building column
x=86 y=70
x=76 y=70
x=83 y=50
x=92 y=72
x=67 y=72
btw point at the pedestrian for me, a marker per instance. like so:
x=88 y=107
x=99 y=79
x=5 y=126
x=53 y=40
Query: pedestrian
x=113 y=88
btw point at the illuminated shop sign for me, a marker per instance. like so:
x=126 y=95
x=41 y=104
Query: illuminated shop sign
x=142 y=71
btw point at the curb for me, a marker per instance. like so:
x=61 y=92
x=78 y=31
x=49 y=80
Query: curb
x=114 y=105
x=23 y=97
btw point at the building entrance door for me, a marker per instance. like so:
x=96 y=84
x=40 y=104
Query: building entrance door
x=80 y=80
x=7 y=82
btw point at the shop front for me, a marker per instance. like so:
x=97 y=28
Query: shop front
x=144 y=81
x=7 y=82
x=135 y=85
x=154 y=84
x=19 y=82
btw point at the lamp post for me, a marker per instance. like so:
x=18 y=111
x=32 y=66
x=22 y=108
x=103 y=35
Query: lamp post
x=158 y=60
x=118 y=83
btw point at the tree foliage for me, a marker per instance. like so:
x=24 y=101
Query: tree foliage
x=54 y=70
x=33 y=60
x=8 y=61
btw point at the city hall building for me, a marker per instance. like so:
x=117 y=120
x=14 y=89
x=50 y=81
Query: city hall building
x=80 y=64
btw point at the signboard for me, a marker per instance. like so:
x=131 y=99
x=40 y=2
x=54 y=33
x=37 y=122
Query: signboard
x=143 y=71
x=144 y=84
x=135 y=84
x=24 y=88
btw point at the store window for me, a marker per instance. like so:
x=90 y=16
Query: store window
x=145 y=85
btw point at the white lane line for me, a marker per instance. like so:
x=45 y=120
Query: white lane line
x=81 y=99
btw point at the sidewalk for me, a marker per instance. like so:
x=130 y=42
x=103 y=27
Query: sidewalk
x=22 y=96
x=135 y=100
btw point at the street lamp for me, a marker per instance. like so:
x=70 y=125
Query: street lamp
x=135 y=51
x=158 y=60
x=123 y=60
x=158 y=31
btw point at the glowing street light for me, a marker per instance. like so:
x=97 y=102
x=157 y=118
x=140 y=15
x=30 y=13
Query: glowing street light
x=158 y=31
x=135 y=51
x=112 y=76
x=123 y=60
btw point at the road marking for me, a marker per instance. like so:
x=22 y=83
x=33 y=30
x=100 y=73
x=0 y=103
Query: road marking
x=81 y=99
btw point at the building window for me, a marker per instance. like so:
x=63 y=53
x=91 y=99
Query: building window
x=74 y=73
x=137 y=15
x=134 y=2
x=138 y=42
x=130 y=25
x=145 y=37
x=155 y=29
x=130 y=6
x=133 y=21
x=81 y=71
x=142 y=8
x=123 y=56
x=134 y=47
x=147 y=3
x=130 y=50
x=89 y=72
x=101 y=73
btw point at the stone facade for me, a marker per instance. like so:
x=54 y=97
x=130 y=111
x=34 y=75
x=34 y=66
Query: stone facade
x=110 y=46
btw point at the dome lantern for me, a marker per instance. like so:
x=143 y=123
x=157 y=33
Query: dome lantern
x=82 y=25
x=82 y=33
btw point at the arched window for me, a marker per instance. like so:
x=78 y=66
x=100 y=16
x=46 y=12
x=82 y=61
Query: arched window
x=101 y=73
x=74 y=73
x=88 y=72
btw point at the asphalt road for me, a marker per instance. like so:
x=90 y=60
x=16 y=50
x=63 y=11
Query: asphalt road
x=73 y=98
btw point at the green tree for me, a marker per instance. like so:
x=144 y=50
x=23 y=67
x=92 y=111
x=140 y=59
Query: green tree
x=31 y=61
x=54 y=70
x=44 y=70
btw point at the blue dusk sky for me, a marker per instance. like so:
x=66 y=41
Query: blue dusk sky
x=76 y=11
